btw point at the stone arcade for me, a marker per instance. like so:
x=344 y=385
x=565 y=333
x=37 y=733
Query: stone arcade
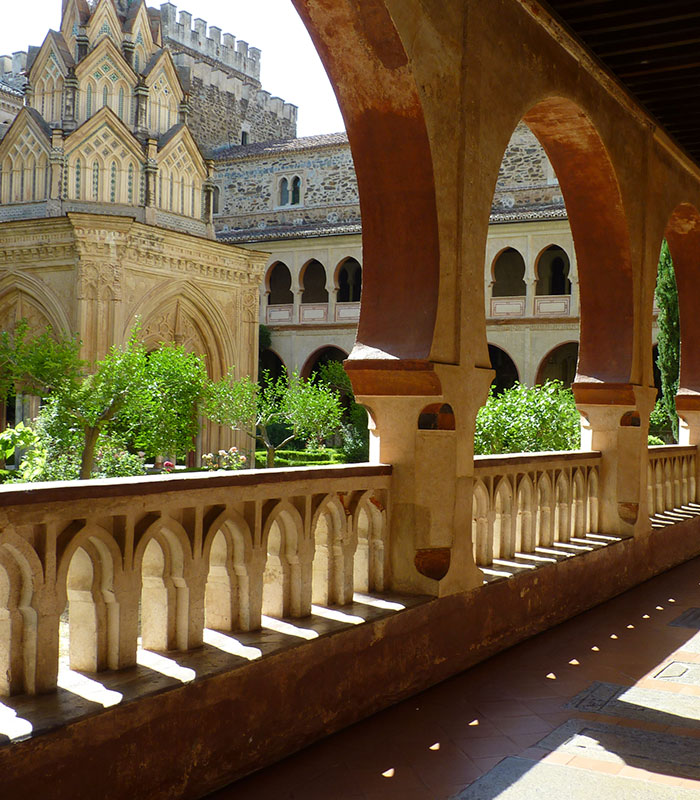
x=432 y=91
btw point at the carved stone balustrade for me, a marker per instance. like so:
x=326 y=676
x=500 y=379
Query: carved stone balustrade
x=671 y=475
x=163 y=557
x=532 y=500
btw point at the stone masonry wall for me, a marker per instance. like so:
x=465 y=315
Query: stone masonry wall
x=524 y=162
x=249 y=188
x=218 y=117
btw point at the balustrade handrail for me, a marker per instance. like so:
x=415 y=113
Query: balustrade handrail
x=62 y=491
x=156 y=559
x=660 y=450
x=534 y=459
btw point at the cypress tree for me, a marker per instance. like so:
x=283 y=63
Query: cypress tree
x=669 y=357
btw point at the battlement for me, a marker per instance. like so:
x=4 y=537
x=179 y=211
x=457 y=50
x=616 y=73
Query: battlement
x=218 y=47
x=230 y=84
x=13 y=70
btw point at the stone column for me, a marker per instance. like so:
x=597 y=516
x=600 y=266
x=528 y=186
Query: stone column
x=141 y=93
x=128 y=48
x=616 y=422
x=56 y=191
x=71 y=111
x=688 y=408
x=151 y=179
x=332 y=296
x=430 y=545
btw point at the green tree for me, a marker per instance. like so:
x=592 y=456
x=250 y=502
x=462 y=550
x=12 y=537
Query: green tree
x=354 y=432
x=176 y=383
x=526 y=419
x=93 y=413
x=39 y=364
x=308 y=410
x=669 y=357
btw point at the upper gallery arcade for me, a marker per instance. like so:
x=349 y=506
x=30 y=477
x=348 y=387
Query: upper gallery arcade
x=105 y=121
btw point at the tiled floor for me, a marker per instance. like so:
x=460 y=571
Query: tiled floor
x=502 y=729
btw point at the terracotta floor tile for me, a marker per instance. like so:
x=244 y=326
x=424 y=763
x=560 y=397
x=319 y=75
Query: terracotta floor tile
x=511 y=726
x=491 y=746
x=404 y=778
x=513 y=713
x=494 y=710
x=485 y=764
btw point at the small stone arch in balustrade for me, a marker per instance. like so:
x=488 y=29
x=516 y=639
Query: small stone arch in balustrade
x=233 y=592
x=525 y=519
x=90 y=588
x=503 y=527
x=164 y=558
x=21 y=581
x=334 y=550
x=369 y=525
x=481 y=525
x=287 y=576
x=545 y=515
x=437 y=417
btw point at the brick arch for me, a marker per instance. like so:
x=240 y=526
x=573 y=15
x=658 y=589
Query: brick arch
x=370 y=72
x=600 y=231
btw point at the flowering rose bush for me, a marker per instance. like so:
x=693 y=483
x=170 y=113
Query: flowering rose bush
x=224 y=459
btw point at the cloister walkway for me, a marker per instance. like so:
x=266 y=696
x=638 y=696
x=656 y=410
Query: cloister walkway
x=606 y=705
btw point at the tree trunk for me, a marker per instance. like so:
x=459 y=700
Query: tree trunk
x=270 y=457
x=88 y=458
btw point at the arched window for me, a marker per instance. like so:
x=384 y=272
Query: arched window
x=88 y=102
x=314 y=283
x=172 y=193
x=553 y=272
x=78 y=179
x=113 y=183
x=350 y=281
x=284 y=192
x=506 y=371
x=105 y=96
x=182 y=195
x=130 y=188
x=296 y=191
x=137 y=63
x=508 y=274
x=121 y=104
x=95 y=181
x=215 y=197
x=280 y=283
x=34 y=182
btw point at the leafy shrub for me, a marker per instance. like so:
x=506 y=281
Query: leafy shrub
x=526 y=419
x=654 y=440
x=301 y=458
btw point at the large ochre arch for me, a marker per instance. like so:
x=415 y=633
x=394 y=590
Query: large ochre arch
x=370 y=72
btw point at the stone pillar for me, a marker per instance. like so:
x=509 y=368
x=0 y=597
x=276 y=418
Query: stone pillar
x=429 y=546
x=616 y=422
x=332 y=296
x=185 y=110
x=83 y=44
x=151 y=181
x=530 y=289
x=56 y=184
x=70 y=104
x=128 y=48
x=141 y=93
x=688 y=408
